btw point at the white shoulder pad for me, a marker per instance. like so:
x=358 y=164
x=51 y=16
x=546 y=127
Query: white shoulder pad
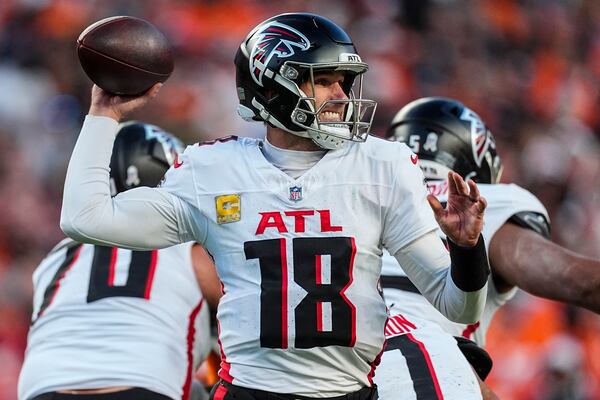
x=385 y=150
x=504 y=201
x=215 y=151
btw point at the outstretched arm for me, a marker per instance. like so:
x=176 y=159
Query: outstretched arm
x=142 y=218
x=521 y=257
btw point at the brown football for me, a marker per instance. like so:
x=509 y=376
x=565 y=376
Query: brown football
x=125 y=55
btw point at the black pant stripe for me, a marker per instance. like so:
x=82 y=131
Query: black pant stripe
x=423 y=382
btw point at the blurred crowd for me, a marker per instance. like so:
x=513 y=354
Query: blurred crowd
x=531 y=68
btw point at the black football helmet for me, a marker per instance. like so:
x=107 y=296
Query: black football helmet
x=447 y=135
x=142 y=153
x=287 y=50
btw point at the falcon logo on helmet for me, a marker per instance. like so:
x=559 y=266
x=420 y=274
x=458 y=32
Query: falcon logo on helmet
x=170 y=144
x=275 y=39
x=480 y=138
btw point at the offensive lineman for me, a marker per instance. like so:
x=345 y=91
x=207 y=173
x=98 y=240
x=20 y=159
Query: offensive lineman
x=296 y=223
x=446 y=135
x=115 y=323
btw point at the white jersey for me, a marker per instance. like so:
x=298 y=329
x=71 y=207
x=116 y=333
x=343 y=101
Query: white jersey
x=299 y=259
x=504 y=201
x=107 y=317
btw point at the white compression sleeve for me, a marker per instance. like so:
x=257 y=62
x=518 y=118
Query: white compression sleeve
x=141 y=218
x=427 y=264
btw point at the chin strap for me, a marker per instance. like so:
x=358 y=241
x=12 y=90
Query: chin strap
x=327 y=141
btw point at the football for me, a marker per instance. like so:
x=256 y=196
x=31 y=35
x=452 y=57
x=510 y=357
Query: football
x=125 y=55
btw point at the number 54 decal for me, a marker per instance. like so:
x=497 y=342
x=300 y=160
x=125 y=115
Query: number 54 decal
x=325 y=316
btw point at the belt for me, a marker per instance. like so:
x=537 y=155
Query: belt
x=242 y=393
x=127 y=394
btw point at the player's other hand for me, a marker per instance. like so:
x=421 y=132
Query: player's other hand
x=116 y=107
x=462 y=219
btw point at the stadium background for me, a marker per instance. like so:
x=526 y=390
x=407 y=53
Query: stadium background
x=531 y=68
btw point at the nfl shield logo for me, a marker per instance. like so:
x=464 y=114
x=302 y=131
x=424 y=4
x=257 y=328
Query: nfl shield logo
x=296 y=193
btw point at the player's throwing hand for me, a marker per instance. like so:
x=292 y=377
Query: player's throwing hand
x=116 y=107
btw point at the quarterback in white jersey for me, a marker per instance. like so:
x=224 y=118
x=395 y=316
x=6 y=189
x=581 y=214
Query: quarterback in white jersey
x=127 y=324
x=448 y=136
x=296 y=223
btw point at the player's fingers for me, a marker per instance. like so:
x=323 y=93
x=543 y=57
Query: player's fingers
x=99 y=95
x=452 y=188
x=481 y=204
x=96 y=89
x=148 y=95
x=473 y=190
x=461 y=186
x=435 y=205
x=153 y=91
x=132 y=103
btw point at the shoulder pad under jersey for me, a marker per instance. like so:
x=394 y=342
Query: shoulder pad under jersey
x=532 y=220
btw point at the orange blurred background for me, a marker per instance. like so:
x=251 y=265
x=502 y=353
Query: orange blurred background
x=531 y=68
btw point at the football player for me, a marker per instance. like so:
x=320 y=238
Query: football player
x=112 y=323
x=296 y=223
x=447 y=136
